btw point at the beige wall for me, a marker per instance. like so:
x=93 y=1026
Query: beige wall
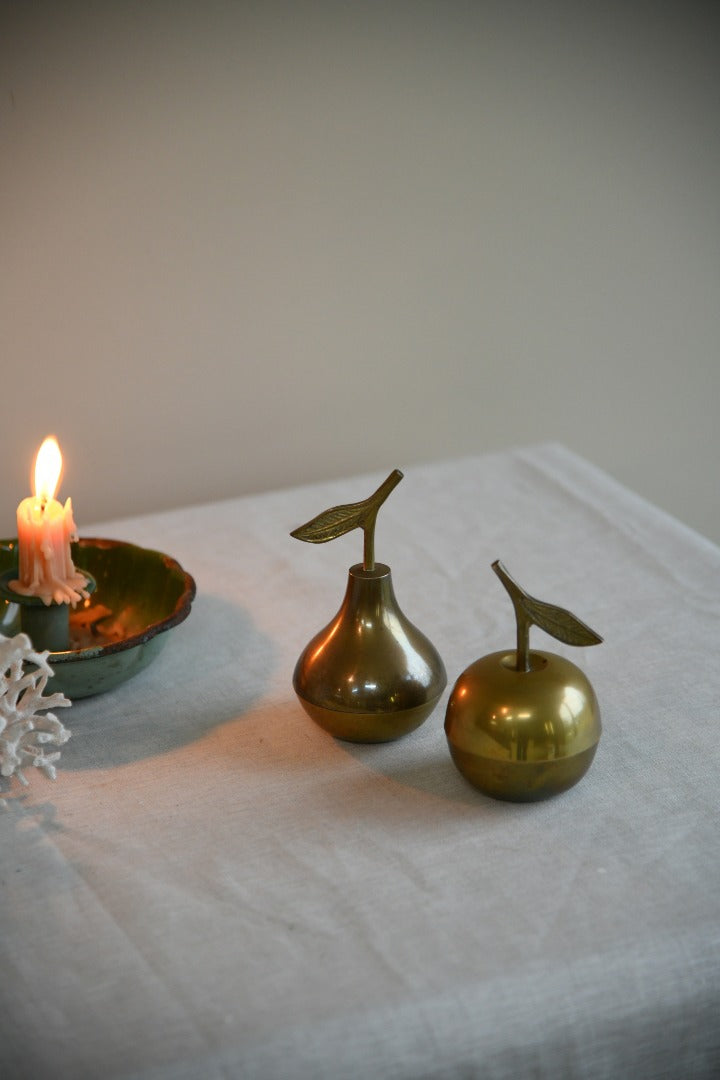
x=248 y=245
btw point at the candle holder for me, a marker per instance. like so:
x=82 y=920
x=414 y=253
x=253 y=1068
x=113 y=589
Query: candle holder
x=370 y=675
x=47 y=625
x=136 y=595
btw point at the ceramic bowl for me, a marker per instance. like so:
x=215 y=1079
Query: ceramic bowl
x=120 y=629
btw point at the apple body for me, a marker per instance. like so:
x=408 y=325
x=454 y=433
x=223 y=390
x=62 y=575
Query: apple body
x=522 y=735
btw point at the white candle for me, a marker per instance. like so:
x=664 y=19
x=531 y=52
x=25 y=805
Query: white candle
x=45 y=529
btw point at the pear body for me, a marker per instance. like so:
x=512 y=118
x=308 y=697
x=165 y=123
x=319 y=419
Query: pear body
x=370 y=675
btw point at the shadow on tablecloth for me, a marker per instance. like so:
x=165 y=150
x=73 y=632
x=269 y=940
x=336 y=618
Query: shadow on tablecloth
x=176 y=700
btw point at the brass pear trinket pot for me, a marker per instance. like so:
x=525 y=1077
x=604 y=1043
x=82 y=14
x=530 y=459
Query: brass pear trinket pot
x=370 y=675
x=524 y=725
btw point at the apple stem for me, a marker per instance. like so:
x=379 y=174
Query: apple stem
x=522 y=655
x=522 y=619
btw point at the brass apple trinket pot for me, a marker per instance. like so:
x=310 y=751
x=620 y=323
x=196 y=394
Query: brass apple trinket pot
x=523 y=725
x=370 y=675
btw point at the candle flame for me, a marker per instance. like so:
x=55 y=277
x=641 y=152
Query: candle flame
x=48 y=466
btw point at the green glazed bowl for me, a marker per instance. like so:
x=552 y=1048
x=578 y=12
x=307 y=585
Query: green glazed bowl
x=119 y=630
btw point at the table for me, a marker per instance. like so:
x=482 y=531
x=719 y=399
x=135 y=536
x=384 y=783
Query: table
x=215 y=888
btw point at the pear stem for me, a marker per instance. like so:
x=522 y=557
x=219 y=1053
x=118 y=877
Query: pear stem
x=374 y=502
x=369 y=545
x=522 y=619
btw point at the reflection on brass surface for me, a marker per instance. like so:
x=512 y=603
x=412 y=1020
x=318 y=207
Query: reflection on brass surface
x=524 y=725
x=370 y=675
x=529 y=783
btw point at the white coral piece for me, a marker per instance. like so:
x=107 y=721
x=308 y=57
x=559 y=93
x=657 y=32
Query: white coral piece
x=24 y=732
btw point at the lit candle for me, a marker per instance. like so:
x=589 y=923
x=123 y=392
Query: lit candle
x=45 y=529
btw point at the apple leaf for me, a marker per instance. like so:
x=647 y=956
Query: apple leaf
x=556 y=621
x=559 y=623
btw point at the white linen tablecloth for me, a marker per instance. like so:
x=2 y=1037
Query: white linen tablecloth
x=215 y=888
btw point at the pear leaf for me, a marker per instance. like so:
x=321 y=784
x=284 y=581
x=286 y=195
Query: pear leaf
x=559 y=623
x=339 y=520
x=332 y=523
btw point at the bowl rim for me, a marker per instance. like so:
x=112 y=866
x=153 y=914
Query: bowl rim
x=180 y=611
